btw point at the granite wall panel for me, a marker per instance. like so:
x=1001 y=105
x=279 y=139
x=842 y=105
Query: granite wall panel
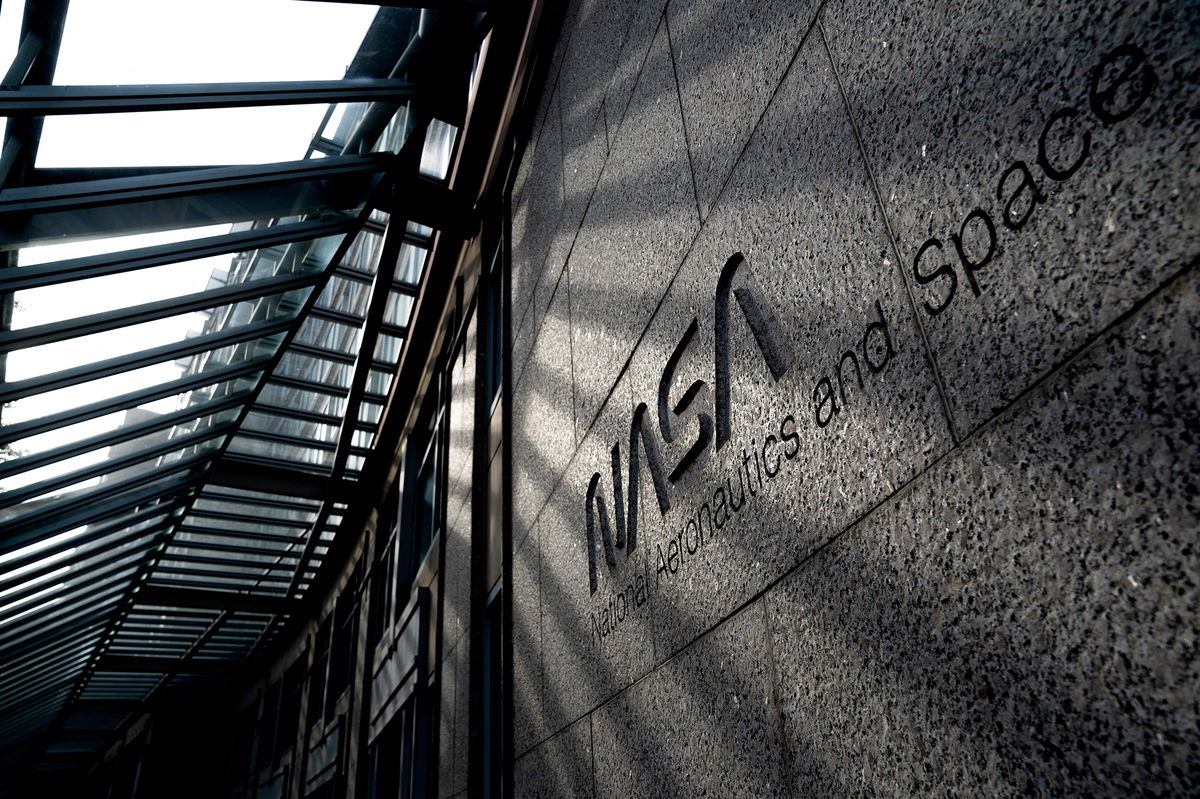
x=461 y=420
x=560 y=768
x=543 y=425
x=462 y=715
x=594 y=643
x=446 y=719
x=537 y=201
x=1019 y=621
x=959 y=106
x=456 y=572
x=975 y=555
x=637 y=227
x=730 y=57
x=702 y=724
x=854 y=410
x=529 y=721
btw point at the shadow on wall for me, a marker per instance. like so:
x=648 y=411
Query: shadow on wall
x=1010 y=622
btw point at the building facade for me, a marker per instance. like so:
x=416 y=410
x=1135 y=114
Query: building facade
x=884 y=315
x=777 y=399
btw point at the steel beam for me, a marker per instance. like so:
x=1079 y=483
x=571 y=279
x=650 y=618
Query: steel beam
x=16 y=496
x=27 y=277
x=301 y=415
x=15 y=432
x=120 y=435
x=137 y=664
x=19 y=389
x=162 y=596
x=94 y=533
x=148 y=312
x=96 y=574
x=274 y=480
x=90 y=507
x=121 y=206
x=248 y=518
x=49 y=100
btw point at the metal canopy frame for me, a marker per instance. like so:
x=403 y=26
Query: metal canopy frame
x=192 y=535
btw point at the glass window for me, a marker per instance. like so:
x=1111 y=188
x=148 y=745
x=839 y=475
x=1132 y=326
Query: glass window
x=263 y=135
x=424 y=475
x=266 y=40
x=439 y=147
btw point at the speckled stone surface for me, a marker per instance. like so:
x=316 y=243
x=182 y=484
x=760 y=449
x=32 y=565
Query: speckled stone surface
x=560 y=768
x=598 y=31
x=1014 y=617
x=537 y=201
x=799 y=206
x=529 y=722
x=543 y=424
x=631 y=57
x=948 y=97
x=456 y=571
x=1021 y=621
x=730 y=57
x=446 y=719
x=638 y=225
x=462 y=711
x=462 y=421
x=586 y=659
x=703 y=724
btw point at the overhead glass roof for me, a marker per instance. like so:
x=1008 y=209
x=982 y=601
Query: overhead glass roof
x=212 y=236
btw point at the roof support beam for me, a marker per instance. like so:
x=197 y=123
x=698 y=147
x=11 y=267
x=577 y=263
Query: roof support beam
x=97 y=506
x=15 y=432
x=96 y=533
x=274 y=480
x=19 y=389
x=17 y=496
x=37 y=275
x=49 y=100
x=113 y=564
x=162 y=596
x=120 y=435
x=306 y=416
x=188 y=183
x=269 y=502
x=121 y=206
x=99 y=557
x=376 y=309
x=160 y=665
x=152 y=311
x=283 y=541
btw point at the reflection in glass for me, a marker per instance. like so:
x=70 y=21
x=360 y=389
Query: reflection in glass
x=439 y=147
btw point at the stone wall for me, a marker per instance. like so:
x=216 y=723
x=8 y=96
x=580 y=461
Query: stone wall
x=894 y=307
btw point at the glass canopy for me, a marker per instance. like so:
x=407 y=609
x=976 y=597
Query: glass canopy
x=206 y=283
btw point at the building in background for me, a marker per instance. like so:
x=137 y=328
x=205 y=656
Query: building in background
x=637 y=398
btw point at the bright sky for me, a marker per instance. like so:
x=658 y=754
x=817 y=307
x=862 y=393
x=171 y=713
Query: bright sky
x=109 y=42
